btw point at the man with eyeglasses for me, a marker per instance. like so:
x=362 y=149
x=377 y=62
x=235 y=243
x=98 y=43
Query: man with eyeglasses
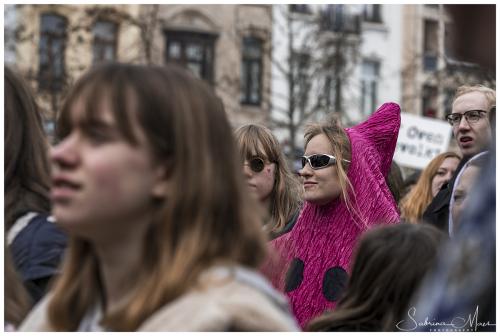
x=473 y=106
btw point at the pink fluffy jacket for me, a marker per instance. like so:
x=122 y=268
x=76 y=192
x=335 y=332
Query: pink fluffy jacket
x=311 y=262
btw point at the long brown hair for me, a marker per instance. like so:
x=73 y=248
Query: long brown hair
x=286 y=194
x=17 y=300
x=207 y=218
x=390 y=263
x=26 y=165
x=416 y=201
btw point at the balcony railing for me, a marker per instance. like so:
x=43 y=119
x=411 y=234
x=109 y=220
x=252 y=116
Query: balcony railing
x=336 y=20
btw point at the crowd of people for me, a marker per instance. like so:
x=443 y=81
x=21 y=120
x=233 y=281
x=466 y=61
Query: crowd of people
x=151 y=213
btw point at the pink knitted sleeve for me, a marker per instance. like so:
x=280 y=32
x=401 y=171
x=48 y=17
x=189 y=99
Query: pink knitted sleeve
x=382 y=129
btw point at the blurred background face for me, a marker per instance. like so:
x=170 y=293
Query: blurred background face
x=321 y=186
x=101 y=184
x=462 y=191
x=472 y=137
x=261 y=183
x=444 y=174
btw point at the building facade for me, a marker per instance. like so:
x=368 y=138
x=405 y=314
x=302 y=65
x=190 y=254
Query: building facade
x=226 y=45
x=437 y=43
x=434 y=63
x=235 y=41
x=415 y=55
x=341 y=60
x=424 y=33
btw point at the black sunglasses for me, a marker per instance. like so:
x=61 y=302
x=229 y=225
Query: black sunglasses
x=256 y=164
x=318 y=161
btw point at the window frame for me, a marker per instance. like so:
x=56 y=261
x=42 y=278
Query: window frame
x=338 y=19
x=375 y=16
x=46 y=79
x=370 y=85
x=430 y=46
x=300 y=8
x=104 y=43
x=429 y=101
x=205 y=40
x=250 y=61
x=301 y=67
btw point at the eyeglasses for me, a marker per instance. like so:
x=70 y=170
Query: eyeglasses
x=471 y=116
x=318 y=161
x=256 y=164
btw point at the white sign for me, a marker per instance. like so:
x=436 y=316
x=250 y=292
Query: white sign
x=420 y=139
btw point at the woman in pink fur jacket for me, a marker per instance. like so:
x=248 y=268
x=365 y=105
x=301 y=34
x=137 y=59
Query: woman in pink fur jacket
x=343 y=175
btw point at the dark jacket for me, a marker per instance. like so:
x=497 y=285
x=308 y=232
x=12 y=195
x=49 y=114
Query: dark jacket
x=437 y=212
x=37 y=251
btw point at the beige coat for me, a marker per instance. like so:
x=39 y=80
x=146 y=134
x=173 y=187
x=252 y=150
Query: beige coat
x=225 y=300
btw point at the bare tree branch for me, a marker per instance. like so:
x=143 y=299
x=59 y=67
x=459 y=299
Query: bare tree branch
x=319 y=52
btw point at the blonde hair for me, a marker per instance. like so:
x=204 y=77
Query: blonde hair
x=342 y=151
x=416 y=201
x=208 y=217
x=489 y=94
x=253 y=139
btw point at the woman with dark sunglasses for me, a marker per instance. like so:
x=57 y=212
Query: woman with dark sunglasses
x=343 y=174
x=269 y=177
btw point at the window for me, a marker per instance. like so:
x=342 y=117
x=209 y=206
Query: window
x=10 y=23
x=51 y=52
x=251 y=71
x=369 y=80
x=333 y=93
x=302 y=78
x=429 y=101
x=430 y=45
x=332 y=17
x=338 y=18
x=449 y=94
x=371 y=13
x=303 y=9
x=104 y=47
x=194 y=51
x=330 y=91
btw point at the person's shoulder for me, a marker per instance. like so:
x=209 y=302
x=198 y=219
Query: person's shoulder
x=43 y=235
x=45 y=226
x=38 y=248
x=37 y=319
x=42 y=230
x=223 y=304
x=441 y=200
x=254 y=305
